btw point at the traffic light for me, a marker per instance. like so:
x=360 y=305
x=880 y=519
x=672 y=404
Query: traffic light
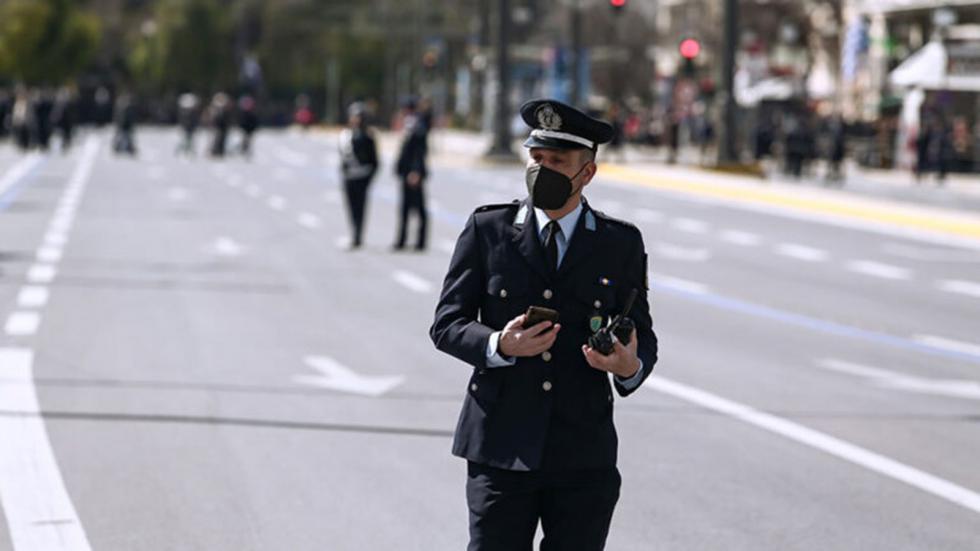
x=617 y=5
x=690 y=48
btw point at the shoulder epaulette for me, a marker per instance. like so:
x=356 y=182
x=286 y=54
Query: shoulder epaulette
x=605 y=217
x=497 y=206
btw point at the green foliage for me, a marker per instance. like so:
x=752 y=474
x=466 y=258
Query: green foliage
x=187 y=46
x=45 y=41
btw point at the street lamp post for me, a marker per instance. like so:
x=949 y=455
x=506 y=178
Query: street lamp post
x=501 y=122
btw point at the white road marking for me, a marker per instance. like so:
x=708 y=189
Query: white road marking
x=276 y=202
x=948 y=344
x=801 y=252
x=679 y=284
x=647 y=215
x=61 y=223
x=21 y=324
x=411 y=281
x=55 y=238
x=225 y=246
x=253 y=191
x=309 y=220
x=233 y=182
x=877 y=269
x=49 y=254
x=332 y=197
x=32 y=296
x=966 y=389
x=335 y=376
x=689 y=225
x=18 y=171
x=742 y=238
x=177 y=194
x=686 y=254
x=924 y=254
x=39 y=513
x=872 y=461
x=962 y=287
x=41 y=273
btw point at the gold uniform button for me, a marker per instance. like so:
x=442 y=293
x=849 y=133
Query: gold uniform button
x=503 y=293
x=473 y=387
x=546 y=356
x=547 y=294
x=597 y=304
x=546 y=386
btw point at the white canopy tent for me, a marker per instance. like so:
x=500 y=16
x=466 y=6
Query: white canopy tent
x=927 y=69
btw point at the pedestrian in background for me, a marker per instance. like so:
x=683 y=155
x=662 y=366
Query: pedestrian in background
x=63 y=117
x=219 y=115
x=248 y=123
x=412 y=170
x=43 y=106
x=6 y=105
x=125 y=123
x=359 y=163
x=188 y=118
x=22 y=119
x=836 y=144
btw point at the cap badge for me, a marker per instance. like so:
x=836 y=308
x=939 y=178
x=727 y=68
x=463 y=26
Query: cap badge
x=548 y=119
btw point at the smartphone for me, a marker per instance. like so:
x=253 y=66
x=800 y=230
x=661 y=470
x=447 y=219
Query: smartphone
x=537 y=314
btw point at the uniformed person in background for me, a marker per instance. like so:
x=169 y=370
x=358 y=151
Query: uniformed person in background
x=536 y=425
x=359 y=162
x=412 y=170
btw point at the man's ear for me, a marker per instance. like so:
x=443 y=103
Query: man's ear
x=590 y=171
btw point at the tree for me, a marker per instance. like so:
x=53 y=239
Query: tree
x=188 y=45
x=45 y=41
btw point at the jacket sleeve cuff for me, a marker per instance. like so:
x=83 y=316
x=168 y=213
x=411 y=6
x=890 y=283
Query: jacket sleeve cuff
x=494 y=357
x=632 y=382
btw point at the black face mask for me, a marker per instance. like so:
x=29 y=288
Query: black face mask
x=549 y=189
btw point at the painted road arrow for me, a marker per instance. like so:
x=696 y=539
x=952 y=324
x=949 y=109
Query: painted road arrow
x=338 y=377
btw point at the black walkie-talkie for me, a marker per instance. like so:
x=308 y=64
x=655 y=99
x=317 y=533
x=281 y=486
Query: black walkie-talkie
x=621 y=327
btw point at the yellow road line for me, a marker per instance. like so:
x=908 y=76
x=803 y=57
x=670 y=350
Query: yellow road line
x=950 y=224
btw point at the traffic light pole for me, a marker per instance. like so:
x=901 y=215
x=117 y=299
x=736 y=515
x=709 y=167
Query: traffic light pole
x=727 y=151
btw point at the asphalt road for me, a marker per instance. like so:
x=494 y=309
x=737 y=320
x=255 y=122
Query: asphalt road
x=189 y=360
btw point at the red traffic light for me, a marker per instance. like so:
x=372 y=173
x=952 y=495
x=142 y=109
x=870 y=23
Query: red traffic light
x=617 y=4
x=690 y=48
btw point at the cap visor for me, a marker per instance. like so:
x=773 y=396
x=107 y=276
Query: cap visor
x=551 y=143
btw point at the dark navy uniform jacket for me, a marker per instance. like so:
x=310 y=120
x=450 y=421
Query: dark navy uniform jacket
x=552 y=411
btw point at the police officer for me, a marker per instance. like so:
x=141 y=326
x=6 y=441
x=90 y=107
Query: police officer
x=536 y=425
x=411 y=169
x=359 y=162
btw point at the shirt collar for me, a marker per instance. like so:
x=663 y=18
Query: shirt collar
x=567 y=222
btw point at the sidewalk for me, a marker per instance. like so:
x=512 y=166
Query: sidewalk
x=959 y=193
x=881 y=200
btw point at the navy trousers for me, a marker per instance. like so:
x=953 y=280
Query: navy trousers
x=573 y=507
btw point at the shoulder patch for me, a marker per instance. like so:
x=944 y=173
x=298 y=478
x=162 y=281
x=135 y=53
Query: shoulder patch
x=605 y=217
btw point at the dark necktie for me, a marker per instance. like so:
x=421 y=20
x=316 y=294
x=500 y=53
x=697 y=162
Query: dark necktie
x=552 y=230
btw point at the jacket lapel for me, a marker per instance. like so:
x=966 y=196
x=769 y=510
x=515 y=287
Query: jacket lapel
x=583 y=240
x=524 y=234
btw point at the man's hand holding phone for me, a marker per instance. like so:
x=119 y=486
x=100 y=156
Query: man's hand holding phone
x=519 y=341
